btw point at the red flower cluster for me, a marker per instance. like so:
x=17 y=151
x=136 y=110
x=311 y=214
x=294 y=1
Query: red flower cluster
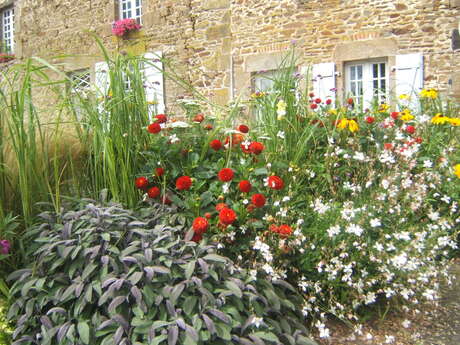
x=410 y=129
x=216 y=144
x=275 y=182
x=154 y=128
x=243 y=128
x=256 y=147
x=245 y=186
x=200 y=225
x=184 y=183
x=221 y=206
x=142 y=182
x=225 y=175
x=159 y=171
x=258 y=200
x=153 y=192
x=227 y=216
x=283 y=230
x=161 y=118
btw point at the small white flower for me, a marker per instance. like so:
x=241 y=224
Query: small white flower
x=178 y=124
x=427 y=163
x=406 y=323
x=173 y=139
x=280 y=134
x=389 y=339
x=257 y=321
x=375 y=222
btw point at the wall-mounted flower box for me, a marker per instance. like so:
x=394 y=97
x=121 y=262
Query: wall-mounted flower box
x=121 y=28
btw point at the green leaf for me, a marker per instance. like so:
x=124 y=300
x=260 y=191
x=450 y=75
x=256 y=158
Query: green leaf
x=234 y=288
x=83 y=331
x=215 y=257
x=261 y=171
x=189 y=304
x=189 y=269
x=266 y=336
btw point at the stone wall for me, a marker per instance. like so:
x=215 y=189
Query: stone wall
x=218 y=44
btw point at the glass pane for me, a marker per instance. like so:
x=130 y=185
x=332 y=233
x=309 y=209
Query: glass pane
x=382 y=69
x=360 y=72
x=375 y=84
x=360 y=88
x=383 y=85
x=375 y=70
x=352 y=72
x=353 y=88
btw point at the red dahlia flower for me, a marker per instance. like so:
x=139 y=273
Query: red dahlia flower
x=410 y=129
x=142 y=182
x=237 y=139
x=318 y=100
x=243 y=128
x=161 y=118
x=200 y=225
x=153 y=192
x=394 y=115
x=227 y=216
x=370 y=119
x=328 y=101
x=273 y=228
x=284 y=230
x=313 y=106
x=215 y=144
x=225 y=175
x=258 y=200
x=245 y=186
x=159 y=171
x=208 y=215
x=154 y=128
x=256 y=147
x=198 y=118
x=184 y=183
x=388 y=146
x=350 y=101
x=311 y=95
x=275 y=182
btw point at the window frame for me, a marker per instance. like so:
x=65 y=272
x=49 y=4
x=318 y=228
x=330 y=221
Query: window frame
x=367 y=80
x=78 y=87
x=11 y=47
x=132 y=9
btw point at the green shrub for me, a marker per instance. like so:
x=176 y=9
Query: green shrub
x=104 y=275
x=5 y=327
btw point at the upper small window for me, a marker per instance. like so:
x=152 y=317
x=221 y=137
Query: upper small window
x=367 y=81
x=7 y=28
x=131 y=9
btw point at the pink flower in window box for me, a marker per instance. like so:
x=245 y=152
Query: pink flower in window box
x=121 y=27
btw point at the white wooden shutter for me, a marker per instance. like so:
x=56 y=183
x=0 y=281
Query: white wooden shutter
x=323 y=79
x=153 y=73
x=101 y=78
x=409 y=75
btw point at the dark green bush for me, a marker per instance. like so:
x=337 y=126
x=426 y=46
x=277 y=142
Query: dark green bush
x=104 y=275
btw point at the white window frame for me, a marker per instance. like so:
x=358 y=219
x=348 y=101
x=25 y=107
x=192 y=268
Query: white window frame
x=367 y=81
x=263 y=81
x=7 y=29
x=131 y=9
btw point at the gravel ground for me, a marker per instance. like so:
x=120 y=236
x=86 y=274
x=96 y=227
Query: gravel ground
x=431 y=325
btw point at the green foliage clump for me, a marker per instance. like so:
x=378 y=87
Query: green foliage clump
x=105 y=275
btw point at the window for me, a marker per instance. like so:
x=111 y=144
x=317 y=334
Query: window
x=7 y=28
x=80 y=81
x=367 y=81
x=131 y=9
x=264 y=81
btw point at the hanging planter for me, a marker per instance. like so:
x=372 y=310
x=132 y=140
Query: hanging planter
x=121 y=28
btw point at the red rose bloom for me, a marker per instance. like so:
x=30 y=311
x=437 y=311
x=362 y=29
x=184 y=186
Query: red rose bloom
x=370 y=119
x=154 y=128
x=245 y=186
x=161 y=118
x=328 y=101
x=284 y=230
x=221 y=206
x=313 y=106
x=410 y=129
x=318 y=100
x=256 y=147
x=200 y=225
x=159 y=171
x=153 y=192
x=142 y=182
x=227 y=216
x=394 y=115
x=258 y=200
x=275 y=182
x=184 y=183
x=350 y=101
x=225 y=175
x=197 y=238
x=216 y=144
x=198 y=118
x=243 y=128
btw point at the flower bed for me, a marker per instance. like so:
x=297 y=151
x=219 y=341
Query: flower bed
x=352 y=206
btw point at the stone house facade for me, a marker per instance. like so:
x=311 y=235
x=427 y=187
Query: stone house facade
x=227 y=47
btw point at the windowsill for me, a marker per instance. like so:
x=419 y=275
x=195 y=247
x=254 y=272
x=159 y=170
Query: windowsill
x=5 y=58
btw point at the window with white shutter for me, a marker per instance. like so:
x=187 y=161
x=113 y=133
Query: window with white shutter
x=154 y=82
x=409 y=76
x=131 y=9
